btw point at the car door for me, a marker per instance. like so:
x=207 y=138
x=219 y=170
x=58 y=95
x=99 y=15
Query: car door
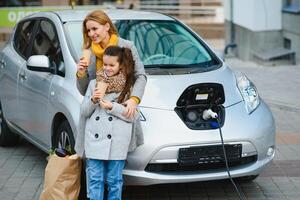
x=34 y=87
x=13 y=58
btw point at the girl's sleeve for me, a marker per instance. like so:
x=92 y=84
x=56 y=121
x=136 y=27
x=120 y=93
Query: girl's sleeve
x=87 y=106
x=118 y=110
x=139 y=72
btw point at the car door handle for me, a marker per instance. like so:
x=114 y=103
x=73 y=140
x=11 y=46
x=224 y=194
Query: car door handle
x=23 y=76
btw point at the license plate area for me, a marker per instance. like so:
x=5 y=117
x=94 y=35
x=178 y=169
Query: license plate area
x=201 y=155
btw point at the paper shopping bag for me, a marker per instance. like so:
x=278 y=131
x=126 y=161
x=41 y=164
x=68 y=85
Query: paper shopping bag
x=62 y=178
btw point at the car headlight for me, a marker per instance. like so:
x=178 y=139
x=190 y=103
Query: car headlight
x=248 y=91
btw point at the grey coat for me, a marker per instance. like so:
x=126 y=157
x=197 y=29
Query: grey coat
x=107 y=132
x=138 y=90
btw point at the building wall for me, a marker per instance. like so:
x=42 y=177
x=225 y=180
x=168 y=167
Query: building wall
x=291 y=23
x=248 y=41
x=255 y=15
x=291 y=31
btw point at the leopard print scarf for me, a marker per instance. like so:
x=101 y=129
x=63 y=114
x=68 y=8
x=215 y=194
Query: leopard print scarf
x=115 y=83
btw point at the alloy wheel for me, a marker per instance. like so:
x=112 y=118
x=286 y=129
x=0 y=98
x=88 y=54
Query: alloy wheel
x=64 y=140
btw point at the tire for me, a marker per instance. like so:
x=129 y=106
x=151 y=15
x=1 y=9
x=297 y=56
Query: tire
x=246 y=179
x=63 y=137
x=7 y=138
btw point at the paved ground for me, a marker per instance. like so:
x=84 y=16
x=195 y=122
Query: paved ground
x=22 y=167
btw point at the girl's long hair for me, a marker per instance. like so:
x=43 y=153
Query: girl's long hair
x=100 y=17
x=126 y=62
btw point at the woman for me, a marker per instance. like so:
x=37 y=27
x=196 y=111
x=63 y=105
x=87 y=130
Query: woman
x=99 y=33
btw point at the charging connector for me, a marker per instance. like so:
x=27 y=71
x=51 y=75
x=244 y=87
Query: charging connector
x=209 y=114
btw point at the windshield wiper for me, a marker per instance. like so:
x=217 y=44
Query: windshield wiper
x=164 y=66
x=204 y=68
x=158 y=71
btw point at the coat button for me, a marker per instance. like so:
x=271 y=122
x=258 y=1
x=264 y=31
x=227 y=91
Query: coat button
x=109 y=136
x=97 y=118
x=96 y=135
x=110 y=119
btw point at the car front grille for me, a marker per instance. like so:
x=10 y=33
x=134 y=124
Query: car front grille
x=175 y=167
x=204 y=158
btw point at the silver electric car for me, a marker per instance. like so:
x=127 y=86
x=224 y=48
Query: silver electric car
x=191 y=97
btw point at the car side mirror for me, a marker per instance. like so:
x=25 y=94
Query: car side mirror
x=39 y=63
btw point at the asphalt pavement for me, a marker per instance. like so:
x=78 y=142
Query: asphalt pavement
x=22 y=167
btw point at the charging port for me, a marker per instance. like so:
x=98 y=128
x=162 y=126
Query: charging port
x=195 y=100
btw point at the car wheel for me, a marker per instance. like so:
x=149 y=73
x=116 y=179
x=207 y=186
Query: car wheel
x=64 y=137
x=246 y=178
x=7 y=138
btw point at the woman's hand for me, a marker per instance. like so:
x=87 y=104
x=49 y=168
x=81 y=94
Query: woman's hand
x=105 y=104
x=82 y=66
x=130 y=108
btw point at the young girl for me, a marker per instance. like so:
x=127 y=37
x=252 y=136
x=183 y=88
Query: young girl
x=107 y=131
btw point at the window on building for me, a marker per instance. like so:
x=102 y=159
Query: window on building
x=291 y=6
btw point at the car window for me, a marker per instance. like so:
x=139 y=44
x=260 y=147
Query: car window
x=46 y=43
x=73 y=32
x=163 y=42
x=22 y=37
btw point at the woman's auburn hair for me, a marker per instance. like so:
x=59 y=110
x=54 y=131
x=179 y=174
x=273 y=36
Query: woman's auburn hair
x=100 y=17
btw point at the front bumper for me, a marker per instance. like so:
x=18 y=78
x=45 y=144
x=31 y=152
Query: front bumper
x=256 y=133
x=146 y=178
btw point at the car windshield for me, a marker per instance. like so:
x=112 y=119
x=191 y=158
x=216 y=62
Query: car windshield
x=161 y=44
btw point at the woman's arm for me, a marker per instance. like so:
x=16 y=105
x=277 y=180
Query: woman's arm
x=140 y=82
x=82 y=84
x=118 y=109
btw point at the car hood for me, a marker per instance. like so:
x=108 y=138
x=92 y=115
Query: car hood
x=163 y=91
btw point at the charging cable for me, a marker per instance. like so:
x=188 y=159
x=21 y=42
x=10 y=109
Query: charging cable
x=209 y=114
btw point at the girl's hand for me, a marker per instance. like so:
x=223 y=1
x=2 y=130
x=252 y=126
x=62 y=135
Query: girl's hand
x=96 y=95
x=130 y=108
x=105 y=104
